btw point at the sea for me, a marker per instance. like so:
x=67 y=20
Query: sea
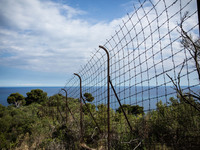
x=144 y=97
x=6 y=91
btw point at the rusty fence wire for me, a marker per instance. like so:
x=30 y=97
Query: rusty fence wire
x=146 y=61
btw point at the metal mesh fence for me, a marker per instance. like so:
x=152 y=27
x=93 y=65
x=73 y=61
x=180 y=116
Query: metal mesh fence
x=145 y=53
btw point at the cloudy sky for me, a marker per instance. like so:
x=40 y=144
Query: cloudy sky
x=42 y=42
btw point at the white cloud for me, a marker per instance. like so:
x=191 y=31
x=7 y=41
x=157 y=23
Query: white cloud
x=50 y=37
x=150 y=47
x=47 y=36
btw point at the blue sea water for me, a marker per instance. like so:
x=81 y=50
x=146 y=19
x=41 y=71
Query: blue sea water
x=6 y=91
x=143 y=96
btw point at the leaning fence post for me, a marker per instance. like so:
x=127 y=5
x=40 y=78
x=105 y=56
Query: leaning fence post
x=81 y=112
x=91 y=115
x=108 y=93
x=121 y=106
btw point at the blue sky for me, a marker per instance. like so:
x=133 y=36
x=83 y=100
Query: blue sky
x=42 y=42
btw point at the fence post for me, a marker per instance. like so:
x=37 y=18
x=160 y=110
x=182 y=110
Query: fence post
x=67 y=106
x=198 y=9
x=108 y=93
x=81 y=111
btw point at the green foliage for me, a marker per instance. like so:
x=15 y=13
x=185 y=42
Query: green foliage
x=89 y=106
x=88 y=97
x=16 y=99
x=56 y=100
x=3 y=142
x=102 y=114
x=42 y=125
x=175 y=124
x=14 y=123
x=129 y=109
x=37 y=96
x=2 y=110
